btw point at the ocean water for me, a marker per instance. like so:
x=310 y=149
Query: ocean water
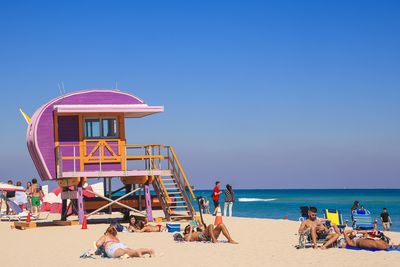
x=275 y=204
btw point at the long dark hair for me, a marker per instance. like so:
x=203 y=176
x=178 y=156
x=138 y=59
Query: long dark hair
x=229 y=187
x=139 y=223
x=355 y=205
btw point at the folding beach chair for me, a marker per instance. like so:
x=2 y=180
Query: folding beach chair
x=335 y=216
x=305 y=240
x=362 y=220
x=20 y=214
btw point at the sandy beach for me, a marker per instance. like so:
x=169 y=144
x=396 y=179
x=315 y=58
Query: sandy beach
x=262 y=242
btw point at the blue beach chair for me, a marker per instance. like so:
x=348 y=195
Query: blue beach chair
x=362 y=220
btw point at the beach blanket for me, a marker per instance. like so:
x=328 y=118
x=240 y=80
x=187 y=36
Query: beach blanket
x=373 y=249
x=91 y=254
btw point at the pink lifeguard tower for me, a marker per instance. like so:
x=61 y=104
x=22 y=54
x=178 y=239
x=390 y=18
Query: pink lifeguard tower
x=81 y=136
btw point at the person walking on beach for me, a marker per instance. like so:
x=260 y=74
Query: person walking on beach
x=386 y=221
x=215 y=195
x=229 y=199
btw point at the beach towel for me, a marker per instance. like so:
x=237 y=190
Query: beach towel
x=372 y=249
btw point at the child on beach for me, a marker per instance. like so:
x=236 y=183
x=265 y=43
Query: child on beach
x=110 y=243
x=204 y=203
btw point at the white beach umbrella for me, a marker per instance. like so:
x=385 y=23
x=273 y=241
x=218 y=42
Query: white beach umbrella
x=98 y=188
x=10 y=187
x=52 y=198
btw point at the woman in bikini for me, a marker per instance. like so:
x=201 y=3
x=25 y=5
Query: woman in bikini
x=115 y=249
x=364 y=241
x=211 y=233
x=140 y=225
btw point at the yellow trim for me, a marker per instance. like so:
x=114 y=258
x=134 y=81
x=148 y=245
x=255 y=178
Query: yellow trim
x=26 y=117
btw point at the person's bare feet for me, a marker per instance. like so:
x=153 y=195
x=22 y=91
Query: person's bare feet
x=214 y=240
x=152 y=253
x=232 y=241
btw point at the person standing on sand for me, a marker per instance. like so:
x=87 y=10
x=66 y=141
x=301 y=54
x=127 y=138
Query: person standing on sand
x=20 y=197
x=386 y=221
x=215 y=195
x=28 y=192
x=354 y=207
x=10 y=195
x=229 y=199
x=35 y=196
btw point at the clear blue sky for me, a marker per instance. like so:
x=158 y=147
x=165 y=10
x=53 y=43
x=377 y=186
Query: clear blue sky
x=260 y=94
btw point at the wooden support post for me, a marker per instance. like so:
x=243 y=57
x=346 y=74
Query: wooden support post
x=109 y=194
x=128 y=188
x=148 y=203
x=80 y=205
x=104 y=186
x=64 y=209
x=140 y=199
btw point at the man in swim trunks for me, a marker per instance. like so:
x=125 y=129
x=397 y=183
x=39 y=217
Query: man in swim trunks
x=115 y=249
x=35 y=192
x=364 y=241
x=319 y=230
x=211 y=233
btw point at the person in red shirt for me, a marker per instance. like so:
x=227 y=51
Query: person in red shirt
x=215 y=194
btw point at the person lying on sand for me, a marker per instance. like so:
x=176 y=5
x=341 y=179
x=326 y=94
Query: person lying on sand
x=211 y=233
x=140 y=225
x=115 y=249
x=362 y=239
x=319 y=230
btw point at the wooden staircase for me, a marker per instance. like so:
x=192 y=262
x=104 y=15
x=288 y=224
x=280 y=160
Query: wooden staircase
x=173 y=191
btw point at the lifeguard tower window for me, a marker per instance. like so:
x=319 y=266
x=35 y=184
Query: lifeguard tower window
x=101 y=128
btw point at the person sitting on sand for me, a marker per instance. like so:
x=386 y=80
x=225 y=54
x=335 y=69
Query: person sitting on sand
x=211 y=233
x=319 y=230
x=115 y=249
x=140 y=225
x=365 y=241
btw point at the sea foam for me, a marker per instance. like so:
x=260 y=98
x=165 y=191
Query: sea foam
x=245 y=199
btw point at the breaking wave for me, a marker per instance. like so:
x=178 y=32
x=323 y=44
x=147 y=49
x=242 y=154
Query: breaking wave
x=244 y=199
